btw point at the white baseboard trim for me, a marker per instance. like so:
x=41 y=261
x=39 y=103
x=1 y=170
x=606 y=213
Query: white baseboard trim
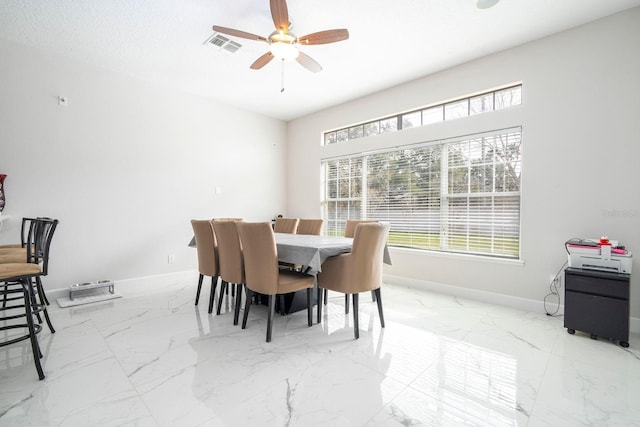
x=484 y=296
x=157 y=280
x=473 y=294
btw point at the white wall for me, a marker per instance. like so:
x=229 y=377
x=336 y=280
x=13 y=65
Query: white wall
x=581 y=150
x=126 y=165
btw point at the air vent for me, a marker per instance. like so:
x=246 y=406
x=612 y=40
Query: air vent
x=221 y=42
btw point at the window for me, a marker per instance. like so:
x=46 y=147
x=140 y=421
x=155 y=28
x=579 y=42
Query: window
x=463 y=107
x=343 y=186
x=411 y=120
x=458 y=195
x=456 y=110
x=433 y=115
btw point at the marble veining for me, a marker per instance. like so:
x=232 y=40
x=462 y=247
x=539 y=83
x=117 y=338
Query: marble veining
x=154 y=359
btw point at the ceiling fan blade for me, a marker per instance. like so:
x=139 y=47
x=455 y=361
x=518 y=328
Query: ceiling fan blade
x=280 y=15
x=323 y=37
x=309 y=63
x=238 y=33
x=262 y=61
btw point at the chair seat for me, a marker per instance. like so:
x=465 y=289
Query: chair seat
x=292 y=281
x=11 y=246
x=18 y=269
x=17 y=256
x=10 y=250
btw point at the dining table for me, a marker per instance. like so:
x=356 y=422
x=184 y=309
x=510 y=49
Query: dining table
x=309 y=252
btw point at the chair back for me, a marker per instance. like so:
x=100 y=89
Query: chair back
x=206 y=247
x=38 y=240
x=230 y=263
x=368 y=256
x=286 y=225
x=350 y=227
x=311 y=227
x=260 y=257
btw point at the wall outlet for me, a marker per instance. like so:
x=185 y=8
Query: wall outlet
x=171 y=258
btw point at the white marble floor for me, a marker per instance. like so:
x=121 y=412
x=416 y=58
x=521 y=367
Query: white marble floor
x=153 y=359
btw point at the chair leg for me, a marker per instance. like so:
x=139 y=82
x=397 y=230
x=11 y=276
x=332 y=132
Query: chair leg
x=212 y=294
x=326 y=296
x=309 y=308
x=35 y=347
x=346 y=304
x=247 y=305
x=379 y=301
x=44 y=304
x=356 y=326
x=200 y=278
x=34 y=303
x=223 y=286
x=373 y=296
x=320 y=292
x=236 y=314
x=44 y=296
x=271 y=309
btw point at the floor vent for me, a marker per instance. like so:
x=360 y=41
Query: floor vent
x=223 y=43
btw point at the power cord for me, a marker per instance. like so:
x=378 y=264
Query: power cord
x=553 y=291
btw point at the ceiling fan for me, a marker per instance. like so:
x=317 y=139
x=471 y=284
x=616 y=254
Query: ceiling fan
x=284 y=44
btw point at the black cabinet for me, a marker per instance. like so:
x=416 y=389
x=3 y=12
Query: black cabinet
x=597 y=302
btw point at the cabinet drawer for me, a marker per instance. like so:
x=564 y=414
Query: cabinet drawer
x=605 y=317
x=597 y=286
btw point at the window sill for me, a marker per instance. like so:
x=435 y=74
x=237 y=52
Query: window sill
x=451 y=255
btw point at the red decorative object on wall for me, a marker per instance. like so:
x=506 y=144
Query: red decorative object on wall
x=2 y=200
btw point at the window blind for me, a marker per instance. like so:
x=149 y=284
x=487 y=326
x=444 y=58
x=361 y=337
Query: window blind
x=458 y=195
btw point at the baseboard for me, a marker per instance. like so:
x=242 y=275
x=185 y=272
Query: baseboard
x=159 y=281
x=484 y=296
x=474 y=294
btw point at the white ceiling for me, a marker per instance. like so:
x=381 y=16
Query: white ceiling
x=390 y=41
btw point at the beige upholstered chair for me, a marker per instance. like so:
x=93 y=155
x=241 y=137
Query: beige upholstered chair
x=286 y=225
x=350 y=227
x=207 y=256
x=231 y=265
x=349 y=231
x=311 y=227
x=262 y=273
x=357 y=271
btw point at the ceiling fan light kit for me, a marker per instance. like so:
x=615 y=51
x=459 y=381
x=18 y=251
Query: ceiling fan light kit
x=283 y=44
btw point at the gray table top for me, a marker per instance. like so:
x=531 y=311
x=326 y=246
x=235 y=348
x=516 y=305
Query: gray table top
x=311 y=251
